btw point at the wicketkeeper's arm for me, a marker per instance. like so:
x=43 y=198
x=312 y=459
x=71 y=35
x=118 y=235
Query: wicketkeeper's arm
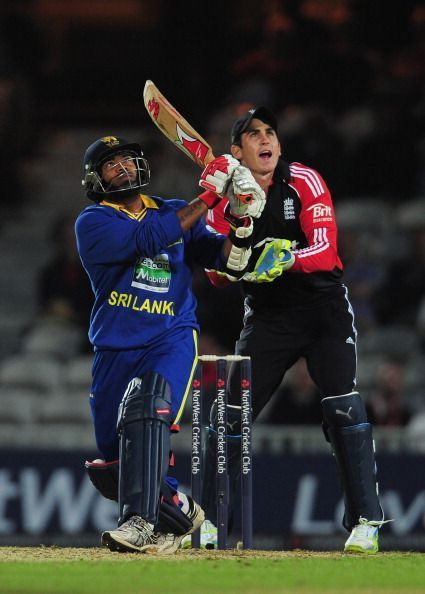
x=240 y=234
x=236 y=250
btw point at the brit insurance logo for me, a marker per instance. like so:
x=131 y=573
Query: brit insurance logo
x=153 y=274
x=321 y=212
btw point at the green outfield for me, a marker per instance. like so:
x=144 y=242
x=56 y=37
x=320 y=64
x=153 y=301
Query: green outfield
x=50 y=570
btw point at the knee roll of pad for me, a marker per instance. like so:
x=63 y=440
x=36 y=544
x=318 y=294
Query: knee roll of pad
x=148 y=397
x=344 y=411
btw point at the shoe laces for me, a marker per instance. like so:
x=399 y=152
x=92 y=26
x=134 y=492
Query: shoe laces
x=141 y=525
x=365 y=525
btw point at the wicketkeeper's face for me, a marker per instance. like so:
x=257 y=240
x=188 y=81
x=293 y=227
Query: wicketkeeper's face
x=260 y=148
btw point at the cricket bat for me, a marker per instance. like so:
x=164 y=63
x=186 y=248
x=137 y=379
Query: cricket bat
x=173 y=125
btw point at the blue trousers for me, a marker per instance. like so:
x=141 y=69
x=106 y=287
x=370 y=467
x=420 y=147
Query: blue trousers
x=174 y=357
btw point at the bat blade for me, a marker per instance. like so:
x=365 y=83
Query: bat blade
x=174 y=126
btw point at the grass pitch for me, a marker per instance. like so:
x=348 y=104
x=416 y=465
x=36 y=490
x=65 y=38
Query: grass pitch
x=53 y=570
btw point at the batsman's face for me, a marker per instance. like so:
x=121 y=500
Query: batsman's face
x=119 y=170
x=260 y=148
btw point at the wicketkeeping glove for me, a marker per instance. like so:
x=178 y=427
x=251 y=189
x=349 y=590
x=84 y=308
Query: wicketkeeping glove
x=240 y=234
x=246 y=197
x=217 y=175
x=275 y=258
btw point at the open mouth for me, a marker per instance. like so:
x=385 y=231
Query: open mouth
x=265 y=155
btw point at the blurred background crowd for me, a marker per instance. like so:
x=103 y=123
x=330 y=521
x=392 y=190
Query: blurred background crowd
x=346 y=79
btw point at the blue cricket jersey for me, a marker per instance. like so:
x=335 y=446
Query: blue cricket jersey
x=140 y=268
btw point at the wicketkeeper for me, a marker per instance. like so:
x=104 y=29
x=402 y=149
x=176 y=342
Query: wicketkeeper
x=296 y=305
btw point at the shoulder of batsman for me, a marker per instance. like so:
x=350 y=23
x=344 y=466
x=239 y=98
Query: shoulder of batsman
x=174 y=203
x=95 y=209
x=91 y=214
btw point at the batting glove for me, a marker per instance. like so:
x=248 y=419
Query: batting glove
x=276 y=258
x=217 y=174
x=245 y=196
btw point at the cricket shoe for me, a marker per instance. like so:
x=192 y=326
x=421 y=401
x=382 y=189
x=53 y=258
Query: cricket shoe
x=364 y=537
x=169 y=543
x=208 y=537
x=136 y=534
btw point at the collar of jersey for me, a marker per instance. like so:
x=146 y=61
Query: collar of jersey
x=147 y=202
x=282 y=170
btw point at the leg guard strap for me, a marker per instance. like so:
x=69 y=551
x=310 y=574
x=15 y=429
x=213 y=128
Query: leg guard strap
x=104 y=476
x=171 y=517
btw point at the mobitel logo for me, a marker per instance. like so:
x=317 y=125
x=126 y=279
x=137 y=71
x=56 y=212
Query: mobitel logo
x=153 y=274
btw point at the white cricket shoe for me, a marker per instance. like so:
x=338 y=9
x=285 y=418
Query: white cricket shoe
x=208 y=537
x=136 y=534
x=364 y=537
x=169 y=543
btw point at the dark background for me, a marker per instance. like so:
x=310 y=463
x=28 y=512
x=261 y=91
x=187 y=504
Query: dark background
x=346 y=80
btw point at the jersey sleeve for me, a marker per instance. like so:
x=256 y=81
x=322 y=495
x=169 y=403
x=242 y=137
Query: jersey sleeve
x=103 y=237
x=317 y=220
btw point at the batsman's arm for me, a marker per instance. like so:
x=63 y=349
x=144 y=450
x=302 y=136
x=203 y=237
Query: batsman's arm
x=196 y=209
x=189 y=215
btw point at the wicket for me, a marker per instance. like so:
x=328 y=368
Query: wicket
x=222 y=459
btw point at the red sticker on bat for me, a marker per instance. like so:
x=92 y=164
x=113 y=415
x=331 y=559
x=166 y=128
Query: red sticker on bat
x=193 y=145
x=153 y=107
